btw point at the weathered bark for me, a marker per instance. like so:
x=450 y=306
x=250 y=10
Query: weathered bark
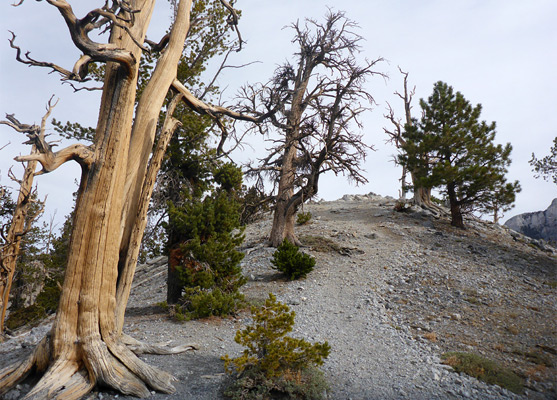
x=422 y=196
x=145 y=124
x=126 y=277
x=86 y=344
x=284 y=212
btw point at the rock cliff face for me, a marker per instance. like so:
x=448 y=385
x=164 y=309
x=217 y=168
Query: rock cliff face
x=537 y=225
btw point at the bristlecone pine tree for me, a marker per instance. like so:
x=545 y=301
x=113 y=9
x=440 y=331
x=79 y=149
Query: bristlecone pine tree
x=86 y=346
x=315 y=106
x=463 y=159
x=422 y=195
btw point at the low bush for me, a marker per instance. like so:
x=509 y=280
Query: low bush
x=484 y=369
x=274 y=365
x=45 y=304
x=289 y=260
x=198 y=303
x=401 y=206
x=303 y=218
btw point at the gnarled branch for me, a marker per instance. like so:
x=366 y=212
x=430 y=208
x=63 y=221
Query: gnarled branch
x=204 y=108
x=43 y=153
x=92 y=51
x=50 y=160
x=78 y=74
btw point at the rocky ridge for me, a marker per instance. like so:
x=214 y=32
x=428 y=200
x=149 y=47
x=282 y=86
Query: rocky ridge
x=390 y=293
x=537 y=225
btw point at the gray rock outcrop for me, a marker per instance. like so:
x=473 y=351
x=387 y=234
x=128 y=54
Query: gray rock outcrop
x=537 y=225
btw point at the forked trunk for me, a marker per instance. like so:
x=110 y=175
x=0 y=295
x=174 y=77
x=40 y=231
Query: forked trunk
x=10 y=252
x=85 y=347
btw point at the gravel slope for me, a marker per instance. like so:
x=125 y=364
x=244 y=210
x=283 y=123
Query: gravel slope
x=389 y=281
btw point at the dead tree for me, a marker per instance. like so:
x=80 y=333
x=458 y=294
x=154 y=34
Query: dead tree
x=422 y=195
x=21 y=220
x=86 y=346
x=315 y=107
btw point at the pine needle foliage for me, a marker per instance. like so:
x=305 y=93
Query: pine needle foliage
x=273 y=363
x=210 y=233
x=289 y=260
x=547 y=166
x=303 y=218
x=451 y=149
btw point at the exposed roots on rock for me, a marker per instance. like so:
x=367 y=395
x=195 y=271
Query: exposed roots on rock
x=434 y=209
x=144 y=348
x=111 y=362
x=64 y=380
x=12 y=374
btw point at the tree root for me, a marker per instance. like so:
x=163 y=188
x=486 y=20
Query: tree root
x=64 y=380
x=18 y=371
x=144 y=348
x=155 y=378
x=112 y=362
x=436 y=210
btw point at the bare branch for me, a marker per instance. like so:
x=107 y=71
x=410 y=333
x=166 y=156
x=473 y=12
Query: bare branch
x=92 y=51
x=84 y=155
x=204 y=108
x=67 y=75
x=49 y=160
x=158 y=47
x=233 y=21
x=89 y=89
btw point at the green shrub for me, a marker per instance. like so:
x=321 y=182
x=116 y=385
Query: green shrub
x=45 y=304
x=484 y=369
x=290 y=261
x=274 y=365
x=206 y=259
x=198 y=303
x=255 y=203
x=303 y=218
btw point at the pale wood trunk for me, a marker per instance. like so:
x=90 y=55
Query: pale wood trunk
x=10 y=252
x=284 y=213
x=85 y=347
x=422 y=196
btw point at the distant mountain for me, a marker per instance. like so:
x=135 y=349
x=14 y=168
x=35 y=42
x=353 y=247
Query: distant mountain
x=537 y=225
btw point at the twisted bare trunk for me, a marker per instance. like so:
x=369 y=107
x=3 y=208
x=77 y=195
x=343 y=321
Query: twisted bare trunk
x=85 y=347
x=284 y=213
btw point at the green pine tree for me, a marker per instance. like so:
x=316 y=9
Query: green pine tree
x=547 y=166
x=207 y=231
x=462 y=157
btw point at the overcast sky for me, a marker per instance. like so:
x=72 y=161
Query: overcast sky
x=500 y=53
